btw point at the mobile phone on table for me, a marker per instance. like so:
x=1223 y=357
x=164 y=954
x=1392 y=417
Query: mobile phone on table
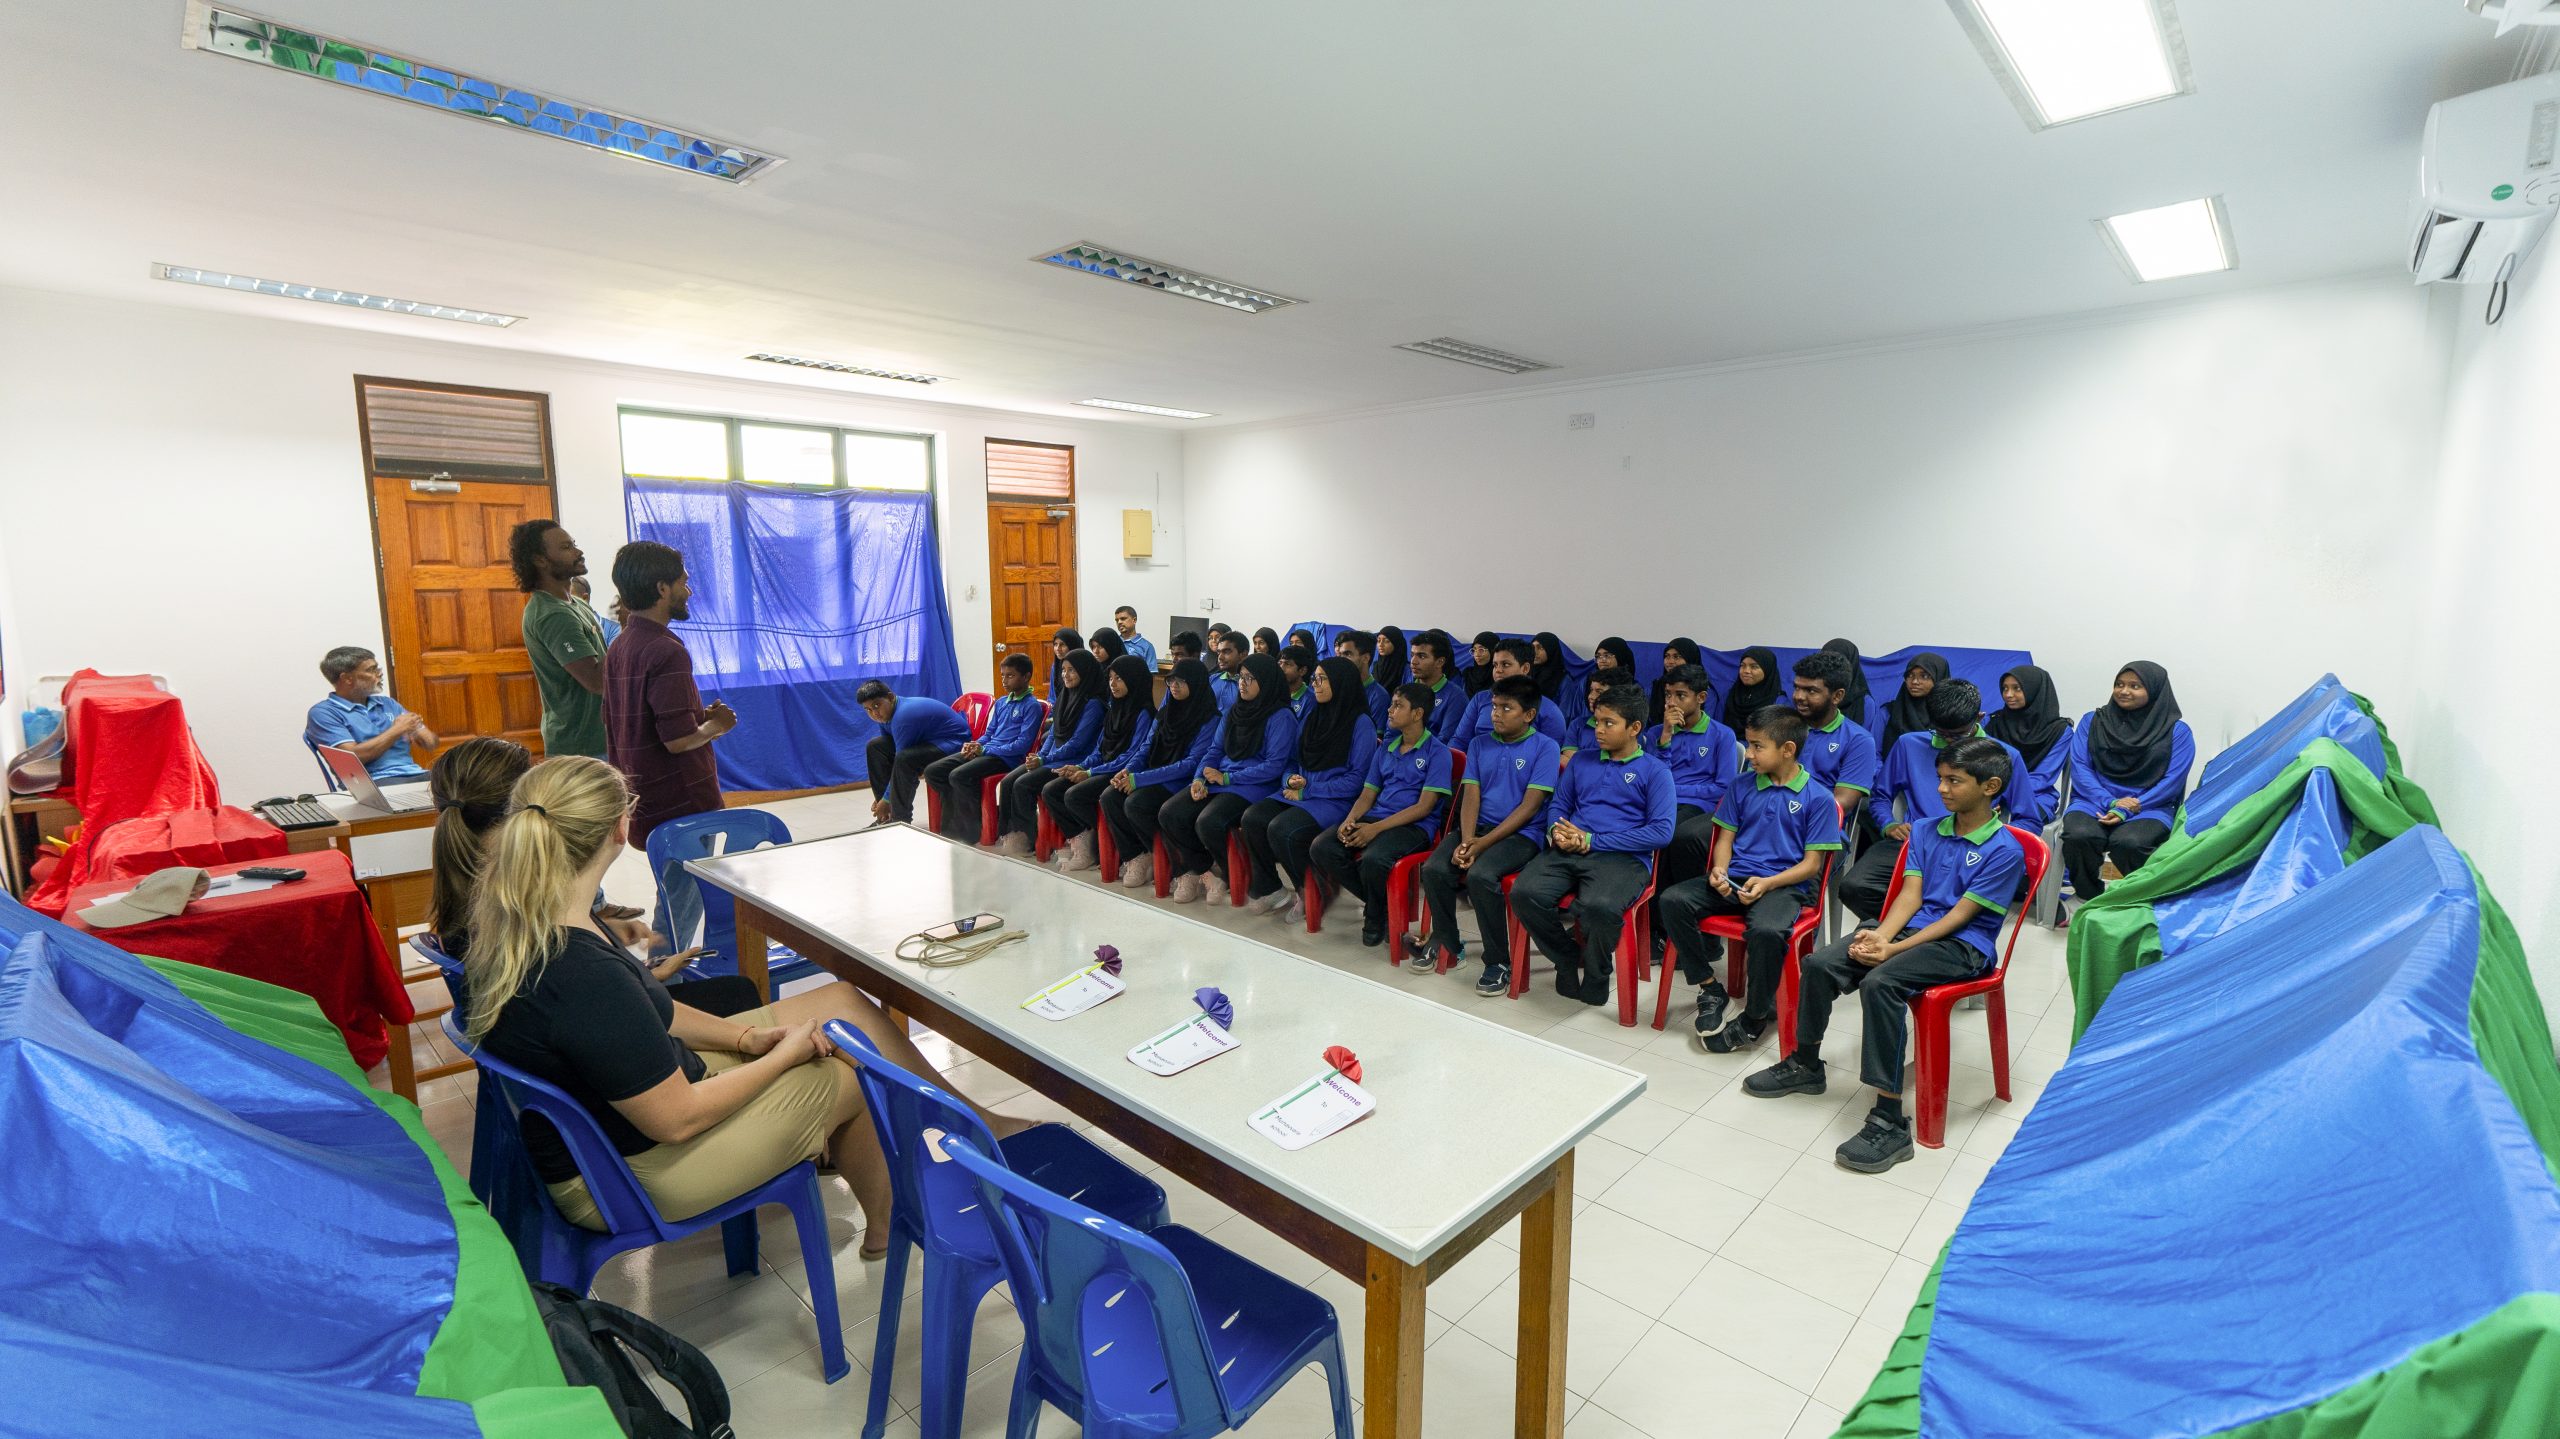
x=963 y=928
x=274 y=872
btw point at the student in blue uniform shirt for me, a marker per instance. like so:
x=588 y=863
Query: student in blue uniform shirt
x=1075 y=793
x=1431 y=651
x=1510 y=773
x=2030 y=721
x=1186 y=726
x=1297 y=667
x=2129 y=767
x=1230 y=653
x=1555 y=678
x=1304 y=639
x=1256 y=744
x=1704 y=758
x=1354 y=645
x=1908 y=711
x=1613 y=807
x=1266 y=641
x=1125 y=621
x=1478 y=674
x=1510 y=658
x=1061 y=644
x=1675 y=653
x=1074 y=727
x=1409 y=777
x=1011 y=727
x=1837 y=749
x=1187 y=646
x=1859 y=704
x=916 y=732
x=1909 y=776
x=1107 y=646
x=1773 y=830
x=1359 y=646
x=1755 y=688
x=1389 y=658
x=1334 y=748
x=1963 y=872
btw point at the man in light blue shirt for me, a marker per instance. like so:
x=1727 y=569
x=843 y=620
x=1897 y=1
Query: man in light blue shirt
x=370 y=725
x=1125 y=620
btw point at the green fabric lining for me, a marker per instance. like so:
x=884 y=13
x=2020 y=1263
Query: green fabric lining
x=1890 y=1409
x=2499 y=1378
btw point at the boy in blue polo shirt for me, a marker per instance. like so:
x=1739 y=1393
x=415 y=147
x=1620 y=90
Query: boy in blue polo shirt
x=1959 y=877
x=1297 y=664
x=1613 y=807
x=1230 y=655
x=1408 y=778
x=1511 y=657
x=1430 y=659
x=1771 y=834
x=1910 y=775
x=1704 y=758
x=916 y=732
x=1012 y=725
x=1839 y=751
x=1510 y=773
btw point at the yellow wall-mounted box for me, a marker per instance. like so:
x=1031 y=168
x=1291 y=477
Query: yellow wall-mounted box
x=1137 y=534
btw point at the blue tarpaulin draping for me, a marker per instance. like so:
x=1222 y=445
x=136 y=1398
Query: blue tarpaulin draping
x=2327 y=710
x=799 y=596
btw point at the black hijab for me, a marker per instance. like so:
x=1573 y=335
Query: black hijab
x=1112 y=645
x=1614 y=649
x=2131 y=747
x=1479 y=677
x=1246 y=717
x=2031 y=729
x=1325 y=741
x=1390 y=671
x=1747 y=700
x=1682 y=651
x=1181 y=720
x=1120 y=722
x=1073 y=698
x=1266 y=641
x=1551 y=675
x=1902 y=714
x=1854 y=703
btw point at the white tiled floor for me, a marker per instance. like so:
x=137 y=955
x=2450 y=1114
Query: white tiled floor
x=1728 y=1277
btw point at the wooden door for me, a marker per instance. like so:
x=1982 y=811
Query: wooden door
x=1033 y=558
x=451 y=607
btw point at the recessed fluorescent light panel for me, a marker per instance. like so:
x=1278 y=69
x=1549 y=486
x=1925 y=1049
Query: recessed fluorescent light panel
x=2065 y=60
x=2191 y=237
x=360 y=67
x=1138 y=409
x=1477 y=355
x=833 y=368
x=1113 y=264
x=359 y=299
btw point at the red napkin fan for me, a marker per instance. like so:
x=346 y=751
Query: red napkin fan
x=1345 y=1062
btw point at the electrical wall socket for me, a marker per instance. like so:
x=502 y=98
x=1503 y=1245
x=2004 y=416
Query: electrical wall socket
x=1583 y=421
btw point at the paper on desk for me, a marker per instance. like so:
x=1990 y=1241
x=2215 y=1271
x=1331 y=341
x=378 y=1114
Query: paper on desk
x=221 y=886
x=1183 y=1046
x=1323 y=1105
x=1075 y=994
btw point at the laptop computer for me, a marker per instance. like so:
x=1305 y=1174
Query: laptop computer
x=350 y=771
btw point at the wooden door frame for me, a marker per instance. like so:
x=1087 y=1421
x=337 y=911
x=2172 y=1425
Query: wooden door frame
x=373 y=517
x=995 y=574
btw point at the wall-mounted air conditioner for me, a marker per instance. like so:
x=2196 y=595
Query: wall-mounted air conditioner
x=2488 y=183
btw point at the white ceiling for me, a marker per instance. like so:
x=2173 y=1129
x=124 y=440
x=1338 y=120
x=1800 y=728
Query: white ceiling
x=1610 y=185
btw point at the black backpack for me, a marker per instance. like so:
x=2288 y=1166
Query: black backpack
x=597 y=1342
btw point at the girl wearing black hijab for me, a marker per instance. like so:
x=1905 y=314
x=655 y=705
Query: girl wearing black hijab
x=1062 y=644
x=1614 y=653
x=1546 y=666
x=2129 y=765
x=2030 y=721
x=1859 y=702
x=1075 y=722
x=1108 y=646
x=1387 y=666
x=1257 y=743
x=1074 y=795
x=1266 y=641
x=1478 y=674
x=1334 y=747
x=1908 y=711
x=1184 y=730
x=1755 y=688
x=1682 y=651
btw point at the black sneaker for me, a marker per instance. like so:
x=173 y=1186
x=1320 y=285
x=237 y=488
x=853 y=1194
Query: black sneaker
x=1792 y=1075
x=1496 y=980
x=1596 y=992
x=1569 y=980
x=1373 y=937
x=1884 y=1143
x=1711 y=1006
x=1743 y=1033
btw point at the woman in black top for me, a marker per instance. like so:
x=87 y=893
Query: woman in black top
x=1478 y=674
x=702 y=1108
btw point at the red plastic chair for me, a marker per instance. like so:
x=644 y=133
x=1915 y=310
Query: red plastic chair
x=1729 y=929
x=1045 y=838
x=1404 y=882
x=1633 y=943
x=1106 y=850
x=987 y=818
x=974 y=707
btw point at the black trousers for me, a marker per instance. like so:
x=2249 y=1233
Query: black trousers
x=894 y=772
x=1863 y=885
x=1603 y=886
x=1693 y=843
x=1482 y=881
x=1365 y=871
x=1885 y=991
x=1078 y=807
x=1135 y=817
x=2086 y=844
x=1018 y=800
x=1195 y=831
x=1277 y=836
x=1765 y=924
x=957 y=780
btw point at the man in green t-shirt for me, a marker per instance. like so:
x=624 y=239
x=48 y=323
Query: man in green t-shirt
x=561 y=638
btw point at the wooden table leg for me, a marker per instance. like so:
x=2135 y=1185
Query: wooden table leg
x=1546 y=1267
x=404 y=1064
x=751 y=959
x=1391 y=1397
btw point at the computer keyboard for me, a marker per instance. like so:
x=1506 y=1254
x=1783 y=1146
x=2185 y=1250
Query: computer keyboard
x=296 y=814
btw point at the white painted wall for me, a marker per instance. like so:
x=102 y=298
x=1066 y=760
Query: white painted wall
x=181 y=491
x=2234 y=488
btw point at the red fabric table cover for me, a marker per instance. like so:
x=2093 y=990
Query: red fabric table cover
x=203 y=838
x=130 y=754
x=315 y=935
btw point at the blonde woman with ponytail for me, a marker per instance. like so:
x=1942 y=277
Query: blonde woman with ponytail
x=702 y=1108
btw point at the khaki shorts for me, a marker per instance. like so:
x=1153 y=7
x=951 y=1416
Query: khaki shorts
x=786 y=1123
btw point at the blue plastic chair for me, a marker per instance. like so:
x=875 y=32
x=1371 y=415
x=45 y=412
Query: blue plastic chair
x=937 y=1211
x=1164 y=1334
x=570 y=1255
x=678 y=840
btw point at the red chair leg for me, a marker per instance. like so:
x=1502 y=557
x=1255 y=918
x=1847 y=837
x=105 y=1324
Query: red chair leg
x=1787 y=998
x=1634 y=936
x=1737 y=972
x=1312 y=896
x=1662 y=985
x=1239 y=868
x=1927 y=1085
x=1399 y=914
x=1164 y=874
x=987 y=832
x=1996 y=1011
x=1106 y=849
x=1044 y=839
x=933 y=809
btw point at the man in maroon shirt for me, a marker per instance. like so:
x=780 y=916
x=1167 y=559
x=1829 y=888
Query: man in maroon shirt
x=656 y=729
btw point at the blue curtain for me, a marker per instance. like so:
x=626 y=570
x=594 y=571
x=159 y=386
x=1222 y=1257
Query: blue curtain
x=799 y=596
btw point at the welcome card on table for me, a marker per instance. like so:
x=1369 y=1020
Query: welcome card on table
x=1076 y=993
x=1326 y=1104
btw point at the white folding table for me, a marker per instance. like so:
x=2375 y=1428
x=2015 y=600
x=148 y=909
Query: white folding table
x=1475 y=1123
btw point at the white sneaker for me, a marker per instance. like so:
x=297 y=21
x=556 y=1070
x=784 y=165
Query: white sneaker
x=1079 y=855
x=1295 y=911
x=1016 y=844
x=1268 y=902
x=1212 y=888
x=1186 y=889
x=1138 y=872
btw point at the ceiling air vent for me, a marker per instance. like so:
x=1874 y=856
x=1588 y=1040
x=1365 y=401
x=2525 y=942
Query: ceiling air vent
x=1110 y=264
x=1477 y=355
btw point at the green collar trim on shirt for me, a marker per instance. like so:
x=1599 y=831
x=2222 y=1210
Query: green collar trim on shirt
x=1990 y=827
x=1836 y=718
x=1009 y=697
x=1794 y=782
x=1598 y=753
x=1439 y=684
x=1396 y=744
x=1705 y=720
x=1936 y=743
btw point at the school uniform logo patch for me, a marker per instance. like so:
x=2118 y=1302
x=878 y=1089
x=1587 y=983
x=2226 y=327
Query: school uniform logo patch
x=1972 y=859
x=1795 y=806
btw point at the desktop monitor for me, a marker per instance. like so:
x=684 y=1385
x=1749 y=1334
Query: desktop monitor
x=1184 y=624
